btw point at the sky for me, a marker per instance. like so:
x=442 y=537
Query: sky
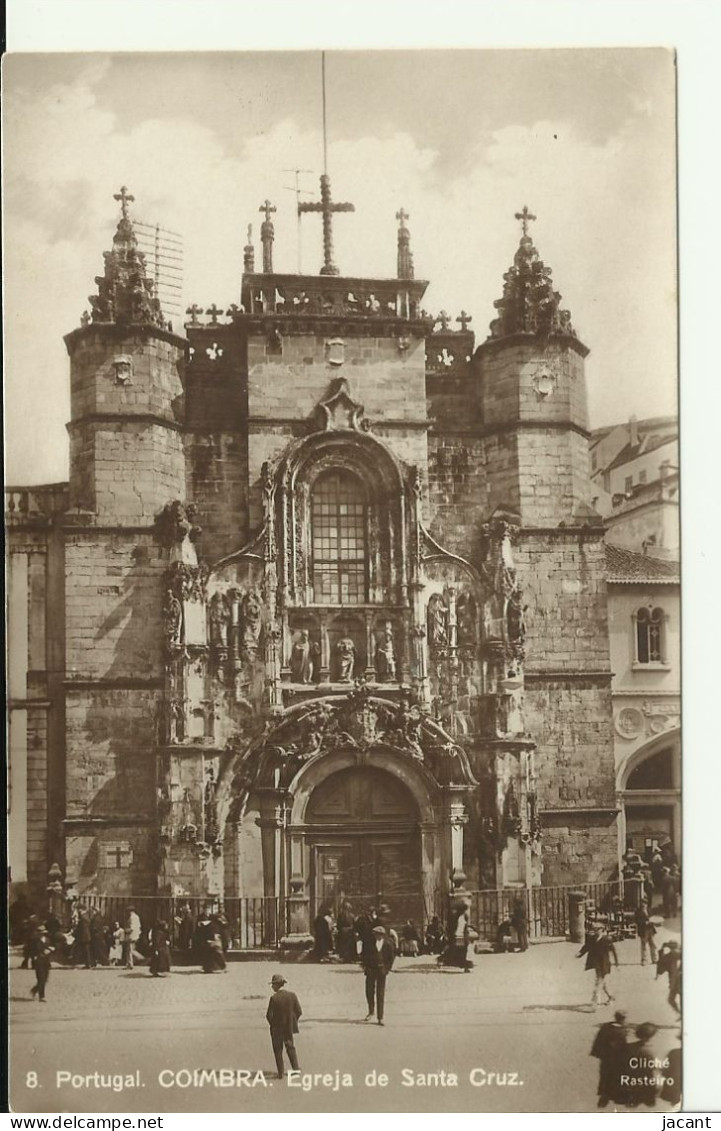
x=462 y=139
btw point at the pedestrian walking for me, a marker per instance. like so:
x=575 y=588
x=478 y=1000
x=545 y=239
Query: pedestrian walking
x=598 y=949
x=283 y=1014
x=40 y=951
x=609 y=1047
x=519 y=919
x=377 y=965
x=669 y=962
x=159 y=949
x=208 y=946
x=133 y=930
x=645 y=931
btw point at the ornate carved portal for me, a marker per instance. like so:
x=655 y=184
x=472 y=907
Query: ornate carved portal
x=344 y=631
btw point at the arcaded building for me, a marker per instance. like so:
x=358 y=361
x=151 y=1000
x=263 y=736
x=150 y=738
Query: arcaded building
x=322 y=609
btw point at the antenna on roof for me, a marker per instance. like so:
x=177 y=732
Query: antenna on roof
x=298 y=192
x=163 y=250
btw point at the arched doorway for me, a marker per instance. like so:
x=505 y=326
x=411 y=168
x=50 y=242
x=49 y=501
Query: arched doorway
x=650 y=789
x=362 y=834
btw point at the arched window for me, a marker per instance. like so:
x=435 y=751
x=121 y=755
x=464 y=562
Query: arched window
x=649 y=635
x=338 y=522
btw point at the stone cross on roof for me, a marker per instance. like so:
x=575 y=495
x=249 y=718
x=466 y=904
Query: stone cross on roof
x=525 y=217
x=267 y=235
x=125 y=198
x=326 y=206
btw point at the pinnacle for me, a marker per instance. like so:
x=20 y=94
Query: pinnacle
x=529 y=304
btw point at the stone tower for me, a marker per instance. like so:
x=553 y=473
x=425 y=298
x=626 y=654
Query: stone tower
x=126 y=462
x=532 y=391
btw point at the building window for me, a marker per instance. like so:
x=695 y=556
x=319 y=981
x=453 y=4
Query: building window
x=649 y=636
x=628 y=486
x=338 y=522
x=642 y=476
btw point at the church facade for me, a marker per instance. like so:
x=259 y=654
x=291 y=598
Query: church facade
x=322 y=609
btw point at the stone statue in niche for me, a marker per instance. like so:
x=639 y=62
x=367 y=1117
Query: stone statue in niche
x=301 y=659
x=466 y=621
x=437 y=623
x=515 y=621
x=219 y=614
x=250 y=615
x=172 y=619
x=385 y=659
x=345 y=651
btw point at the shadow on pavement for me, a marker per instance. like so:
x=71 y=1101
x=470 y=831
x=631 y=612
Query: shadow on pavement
x=336 y=1021
x=585 y=1008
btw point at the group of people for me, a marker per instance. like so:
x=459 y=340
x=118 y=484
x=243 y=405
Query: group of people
x=346 y=938
x=625 y=1076
x=91 y=941
x=660 y=876
x=512 y=931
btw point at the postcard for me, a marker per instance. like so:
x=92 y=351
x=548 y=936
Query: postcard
x=343 y=581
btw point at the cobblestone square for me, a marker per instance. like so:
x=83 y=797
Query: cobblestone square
x=525 y=1017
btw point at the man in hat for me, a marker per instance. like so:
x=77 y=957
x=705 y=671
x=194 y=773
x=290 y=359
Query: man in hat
x=646 y=931
x=599 y=950
x=282 y=1016
x=377 y=964
x=609 y=1046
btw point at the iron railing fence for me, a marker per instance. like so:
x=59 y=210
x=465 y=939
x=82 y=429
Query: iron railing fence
x=547 y=908
x=260 y=922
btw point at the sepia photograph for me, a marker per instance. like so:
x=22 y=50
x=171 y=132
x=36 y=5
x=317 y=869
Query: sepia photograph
x=343 y=581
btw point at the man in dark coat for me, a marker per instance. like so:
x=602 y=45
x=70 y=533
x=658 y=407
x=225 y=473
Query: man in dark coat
x=609 y=1047
x=81 y=934
x=598 y=949
x=647 y=1081
x=377 y=964
x=646 y=931
x=282 y=1016
x=323 y=935
x=40 y=951
x=519 y=919
x=669 y=893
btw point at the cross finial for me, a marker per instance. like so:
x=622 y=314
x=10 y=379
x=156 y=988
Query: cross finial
x=525 y=217
x=326 y=206
x=268 y=208
x=125 y=198
x=464 y=319
x=402 y=216
x=444 y=318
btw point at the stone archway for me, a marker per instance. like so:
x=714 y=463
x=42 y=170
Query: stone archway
x=393 y=827
x=378 y=740
x=649 y=789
